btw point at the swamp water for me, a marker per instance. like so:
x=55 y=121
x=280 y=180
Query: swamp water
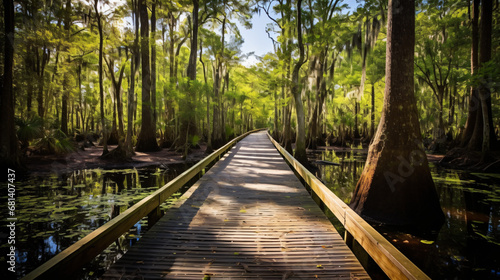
x=55 y=210
x=468 y=244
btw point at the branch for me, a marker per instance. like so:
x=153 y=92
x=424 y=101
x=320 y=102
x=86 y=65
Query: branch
x=268 y=15
x=272 y=39
x=427 y=79
x=77 y=32
x=331 y=9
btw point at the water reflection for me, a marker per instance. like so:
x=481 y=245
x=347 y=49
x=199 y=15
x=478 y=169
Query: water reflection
x=54 y=211
x=468 y=244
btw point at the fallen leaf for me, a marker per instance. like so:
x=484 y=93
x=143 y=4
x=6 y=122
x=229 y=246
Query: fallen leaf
x=319 y=266
x=243 y=211
x=236 y=253
x=428 y=242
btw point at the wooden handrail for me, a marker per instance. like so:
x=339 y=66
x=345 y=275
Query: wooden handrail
x=389 y=259
x=84 y=250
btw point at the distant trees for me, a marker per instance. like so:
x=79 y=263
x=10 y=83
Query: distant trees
x=396 y=186
x=479 y=134
x=180 y=64
x=75 y=59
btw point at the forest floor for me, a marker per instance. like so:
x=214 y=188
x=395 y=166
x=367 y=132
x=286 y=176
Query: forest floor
x=90 y=158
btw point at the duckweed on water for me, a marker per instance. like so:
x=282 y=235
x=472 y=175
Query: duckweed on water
x=55 y=211
x=466 y=246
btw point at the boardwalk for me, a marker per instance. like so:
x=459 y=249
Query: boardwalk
x=248 y=217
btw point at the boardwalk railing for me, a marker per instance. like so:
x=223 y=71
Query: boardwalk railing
x=388 y=258
x=83 y=251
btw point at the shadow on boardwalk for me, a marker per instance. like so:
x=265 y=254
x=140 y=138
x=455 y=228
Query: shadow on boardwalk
x=248 y=217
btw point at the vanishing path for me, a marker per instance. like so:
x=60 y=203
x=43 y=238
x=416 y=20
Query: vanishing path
x=248 y=217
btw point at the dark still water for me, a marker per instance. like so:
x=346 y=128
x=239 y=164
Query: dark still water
x=54 y=211
x=468 y=244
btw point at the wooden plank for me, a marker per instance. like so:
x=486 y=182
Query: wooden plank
x=247 y=217
x=391 y=260
x=84 y=250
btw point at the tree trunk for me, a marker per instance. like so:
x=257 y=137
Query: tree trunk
x=217 y=123
x=276 y=115
x=209 y=148
x=300 y=143
x=117 y=131
x=9 y=150
x=146 y=141
x=356 y=125
x=372 y=116
x=153 y=61
x=191 y=69
x=41 y=63
x=66 y=87
x=134 y=62
x=474 y=102
x=484 y=90
x=396 y=186
x=105 y=150
x=188 y=126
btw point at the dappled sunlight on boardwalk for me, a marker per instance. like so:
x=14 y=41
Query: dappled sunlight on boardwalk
x=248 y=217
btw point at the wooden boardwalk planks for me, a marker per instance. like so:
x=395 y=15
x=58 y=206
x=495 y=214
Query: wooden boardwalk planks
x=248 y=217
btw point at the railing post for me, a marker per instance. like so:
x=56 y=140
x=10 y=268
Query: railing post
x=154 y=216
x=348 y=239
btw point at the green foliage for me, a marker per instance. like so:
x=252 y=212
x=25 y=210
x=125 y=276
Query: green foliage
x=195 y=139
x=29 y=129
x=54 y=141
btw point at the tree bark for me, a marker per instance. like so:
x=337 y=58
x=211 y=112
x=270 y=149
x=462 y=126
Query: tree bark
x=209 y=148
x=474 y=102
x=9 y=150
x=188 y=125
x=105 y=150
x=372 y=115
x=153 y=61
x=482 y=98
x=146 y=141
x=134 y=62
x=191 y=69
x=300 y=142
x=66 y=87
x=217 y=122
x=484 y=90
x=396 y=186
x=117 y=130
